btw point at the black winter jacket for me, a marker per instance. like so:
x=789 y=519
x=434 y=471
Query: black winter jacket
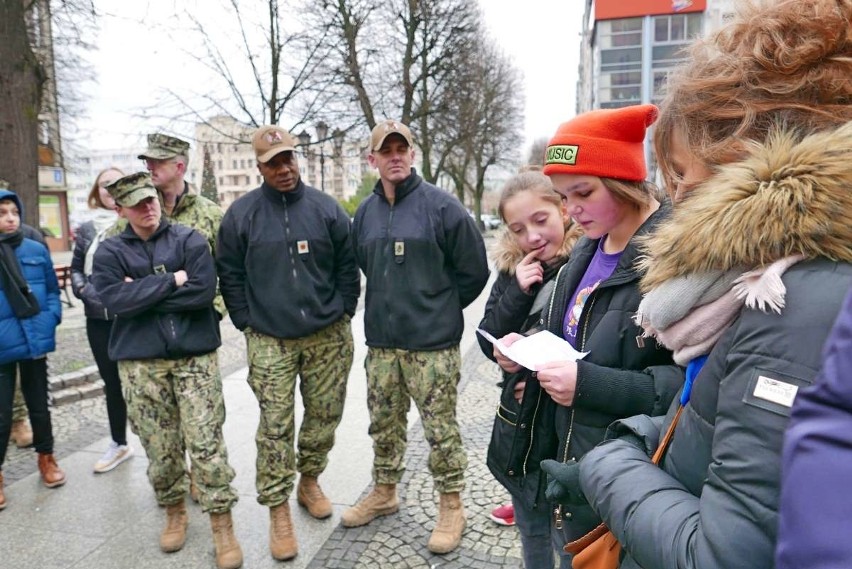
x=156 y=318
x=621 y=375
x=523 y=433
x=285 y=260
x=92 y=304
x=425 y=261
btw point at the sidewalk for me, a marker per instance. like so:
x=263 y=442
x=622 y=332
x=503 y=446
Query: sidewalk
x=112 y=521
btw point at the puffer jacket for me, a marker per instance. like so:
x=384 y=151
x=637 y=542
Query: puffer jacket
x=523 y=433
x=714 y=501
x=27 y=338
x=622 y=375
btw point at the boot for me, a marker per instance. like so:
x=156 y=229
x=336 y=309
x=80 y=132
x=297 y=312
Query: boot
x=2 y=495
x=174 y=534
x=282 y=540
x=21 y=433
x=448 y=531
x=380 y=502
x=51 y=474
x=229 y=555
x=309 y=495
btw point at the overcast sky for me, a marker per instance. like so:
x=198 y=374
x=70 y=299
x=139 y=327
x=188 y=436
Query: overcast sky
x=134 y=62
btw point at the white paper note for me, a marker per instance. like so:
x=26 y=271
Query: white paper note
x=540 y=348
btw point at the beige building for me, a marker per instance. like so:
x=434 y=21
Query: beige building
x=335 y=166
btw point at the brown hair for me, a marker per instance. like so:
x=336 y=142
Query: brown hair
x=531 y=180
x=639 y=195
x=781 y=63
x=94 y=199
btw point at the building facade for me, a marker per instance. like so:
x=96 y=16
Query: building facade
x=629 y=49
x=223 y=146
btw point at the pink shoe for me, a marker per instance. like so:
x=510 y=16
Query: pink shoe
x=504 y=515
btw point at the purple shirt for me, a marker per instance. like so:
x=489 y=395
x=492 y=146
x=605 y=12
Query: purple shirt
x=601 y=267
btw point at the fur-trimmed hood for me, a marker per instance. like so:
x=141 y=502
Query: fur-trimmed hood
x=790 y=195
x=506 y=253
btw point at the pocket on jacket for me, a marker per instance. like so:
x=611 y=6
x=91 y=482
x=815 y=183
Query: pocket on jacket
x=505 y=451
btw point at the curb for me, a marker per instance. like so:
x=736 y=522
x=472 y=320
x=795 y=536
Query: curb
x=85 y=383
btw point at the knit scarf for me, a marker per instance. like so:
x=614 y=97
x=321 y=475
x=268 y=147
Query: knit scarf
x=12 y=282
x=689 y=314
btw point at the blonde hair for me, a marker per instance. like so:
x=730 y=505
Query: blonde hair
x=528 y=180
x=94 y=199
x=781 y=63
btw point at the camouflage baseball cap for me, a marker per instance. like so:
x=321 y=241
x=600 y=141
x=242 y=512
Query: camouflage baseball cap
x=162 y=146
x=386 y=128
x=129 y=190
x=270 y=140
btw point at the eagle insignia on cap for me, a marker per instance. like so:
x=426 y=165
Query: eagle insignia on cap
x=273 y=136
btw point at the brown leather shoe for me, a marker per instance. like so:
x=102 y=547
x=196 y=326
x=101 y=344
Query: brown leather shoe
x=51 y=474
x=309 y=495
x=2 y=495
x=22 y=433
x=282 y=539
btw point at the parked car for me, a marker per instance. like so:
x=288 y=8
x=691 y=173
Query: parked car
x=490 y=221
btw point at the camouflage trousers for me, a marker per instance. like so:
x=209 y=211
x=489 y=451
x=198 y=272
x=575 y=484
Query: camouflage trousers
x=394 y=378
x=322 y=362
x=175 y=405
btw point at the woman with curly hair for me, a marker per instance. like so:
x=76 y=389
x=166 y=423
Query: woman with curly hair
x=743 y=283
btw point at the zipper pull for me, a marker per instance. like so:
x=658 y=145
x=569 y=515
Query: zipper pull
x=557 y=517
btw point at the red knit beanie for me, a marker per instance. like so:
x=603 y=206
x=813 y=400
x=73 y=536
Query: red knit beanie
x=608 y=143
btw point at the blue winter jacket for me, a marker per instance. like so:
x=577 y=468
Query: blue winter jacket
x=23 y=339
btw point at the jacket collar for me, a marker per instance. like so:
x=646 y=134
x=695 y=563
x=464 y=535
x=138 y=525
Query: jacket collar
x=506 y=253
x=290 y=197
x=791 y=194
x=404 y=188
x=131 y=235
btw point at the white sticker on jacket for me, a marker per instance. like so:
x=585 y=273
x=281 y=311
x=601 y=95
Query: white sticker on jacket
x=775 y=391
x=302 y=247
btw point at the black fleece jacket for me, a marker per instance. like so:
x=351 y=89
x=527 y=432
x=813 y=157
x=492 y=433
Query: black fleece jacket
x=286 y=263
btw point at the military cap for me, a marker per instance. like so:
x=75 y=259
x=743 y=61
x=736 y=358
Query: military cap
x=270 y=140
x=162 y=146
x=129 y=190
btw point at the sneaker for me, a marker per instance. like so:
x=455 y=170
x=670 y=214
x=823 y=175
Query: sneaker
x=115 y=454
x=504 y=515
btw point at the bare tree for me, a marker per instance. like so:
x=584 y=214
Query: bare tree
x=535 y=156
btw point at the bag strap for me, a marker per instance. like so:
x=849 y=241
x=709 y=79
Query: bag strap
x=667 y=438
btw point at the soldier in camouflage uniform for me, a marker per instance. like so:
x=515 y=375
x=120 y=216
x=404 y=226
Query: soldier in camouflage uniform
x=160 y=279
x=289 y=279
x=425 y=261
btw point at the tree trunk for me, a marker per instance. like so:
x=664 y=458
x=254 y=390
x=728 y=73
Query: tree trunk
x=20 y=92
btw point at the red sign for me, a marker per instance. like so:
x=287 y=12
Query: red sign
x=612 y=9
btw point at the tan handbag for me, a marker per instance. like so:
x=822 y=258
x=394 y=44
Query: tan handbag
x=599 y=549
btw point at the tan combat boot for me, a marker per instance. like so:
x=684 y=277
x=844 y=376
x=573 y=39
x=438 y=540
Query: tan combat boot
x=380 y=502
x=451 y=521
x=173 y=535
x=22 y=433
x=51 y=474
x=282 y=540
x=309 y=495
x=2 y=495
x=229 y=554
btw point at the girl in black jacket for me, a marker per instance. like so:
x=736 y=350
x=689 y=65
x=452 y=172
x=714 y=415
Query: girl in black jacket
x=596 y=162
x=535 y=244
x=98 y=318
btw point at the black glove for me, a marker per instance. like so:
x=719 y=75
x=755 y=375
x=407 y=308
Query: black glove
x=563 y=482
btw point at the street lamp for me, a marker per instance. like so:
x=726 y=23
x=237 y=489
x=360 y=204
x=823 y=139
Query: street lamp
x=322 y=133
x=305 y=144
x=337 y=136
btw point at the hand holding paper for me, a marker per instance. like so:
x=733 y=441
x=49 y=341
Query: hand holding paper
x=534 y=351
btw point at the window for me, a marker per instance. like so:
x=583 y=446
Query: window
x=620 y=79
x=672 y=33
